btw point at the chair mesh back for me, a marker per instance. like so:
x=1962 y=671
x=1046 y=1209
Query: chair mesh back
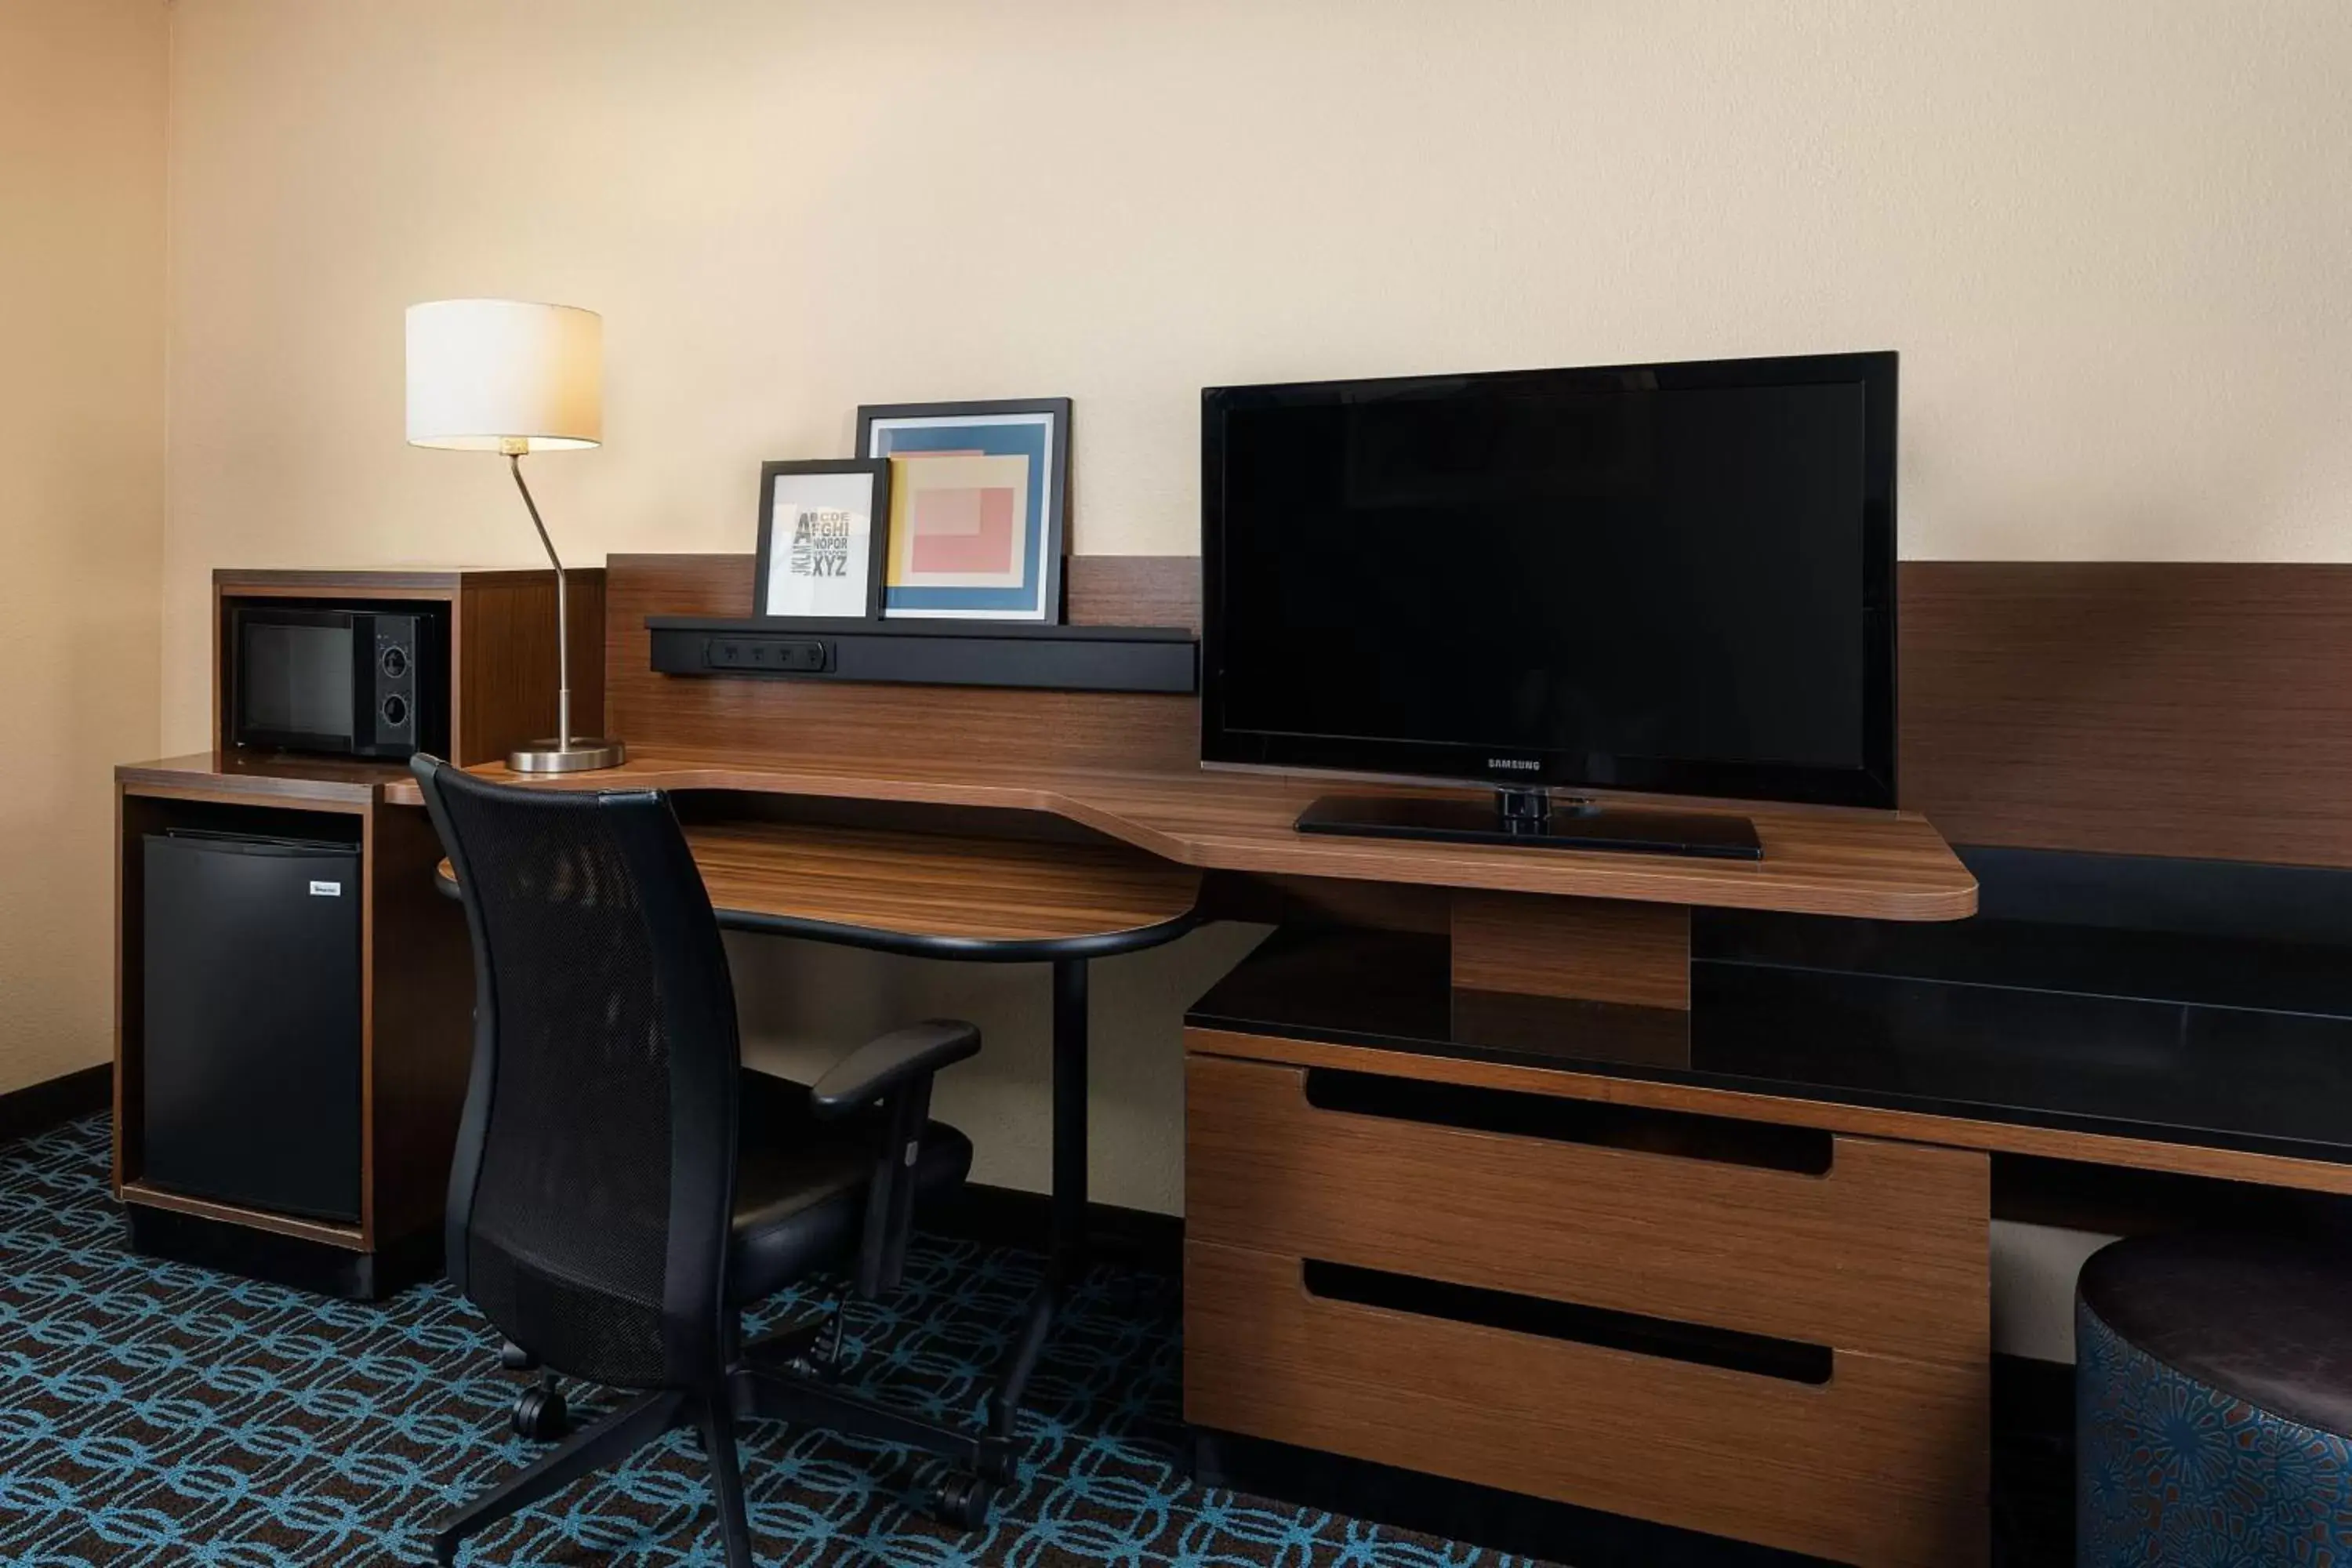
x=571 y=1213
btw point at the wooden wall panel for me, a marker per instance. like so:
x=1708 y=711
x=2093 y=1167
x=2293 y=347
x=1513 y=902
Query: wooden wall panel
x=420 y=1032
x=504 y=645
x=2121 y=707
x=1135 y=591
x=2131 y=707
x=674 y=714
x=1597 y=949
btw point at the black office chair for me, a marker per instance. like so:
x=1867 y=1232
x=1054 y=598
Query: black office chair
x=624 y=1187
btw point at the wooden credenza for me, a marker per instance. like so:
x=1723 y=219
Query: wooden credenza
x=1783 y=1340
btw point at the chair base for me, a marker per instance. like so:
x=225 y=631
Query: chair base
x=766 y=1385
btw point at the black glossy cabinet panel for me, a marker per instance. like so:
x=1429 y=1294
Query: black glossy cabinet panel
x=2140 y=1035
x=252 y=1041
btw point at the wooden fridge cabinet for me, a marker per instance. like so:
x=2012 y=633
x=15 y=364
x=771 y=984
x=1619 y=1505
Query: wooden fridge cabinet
x=415 y=970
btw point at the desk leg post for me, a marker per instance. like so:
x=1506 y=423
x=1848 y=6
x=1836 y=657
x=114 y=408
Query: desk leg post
x=1069 y=1115
x=1065 y=1247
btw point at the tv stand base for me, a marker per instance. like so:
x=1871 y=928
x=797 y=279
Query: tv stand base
x=1532 y=818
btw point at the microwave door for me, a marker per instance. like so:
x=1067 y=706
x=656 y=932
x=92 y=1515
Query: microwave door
x=295 y=680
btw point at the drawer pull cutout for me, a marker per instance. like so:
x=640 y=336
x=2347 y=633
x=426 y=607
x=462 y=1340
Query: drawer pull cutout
x=1791 y=1361
x=1804 y=1151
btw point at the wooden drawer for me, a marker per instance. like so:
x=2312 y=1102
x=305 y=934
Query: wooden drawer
x=1885 y=1463
x=1874 y=1246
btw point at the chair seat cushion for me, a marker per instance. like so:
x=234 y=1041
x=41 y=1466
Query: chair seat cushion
x=800 y=1183
x=2266 y=1321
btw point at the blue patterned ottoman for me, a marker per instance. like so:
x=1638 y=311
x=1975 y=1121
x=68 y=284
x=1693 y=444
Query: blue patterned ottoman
x=2213 y=1404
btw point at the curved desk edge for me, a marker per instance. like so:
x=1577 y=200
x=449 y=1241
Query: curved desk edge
x=965 y=949
x=930 y=944
x=1827 y=861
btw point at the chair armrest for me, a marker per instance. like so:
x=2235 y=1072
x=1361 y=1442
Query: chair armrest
x=884 y=1062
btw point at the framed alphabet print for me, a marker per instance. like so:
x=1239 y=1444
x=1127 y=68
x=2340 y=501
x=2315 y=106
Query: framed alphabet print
x=979 y=507
x=818 y=526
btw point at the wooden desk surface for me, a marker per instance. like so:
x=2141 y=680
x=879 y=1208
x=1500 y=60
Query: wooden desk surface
x=1871 y=865
x=974 y=889
x=270 y=777
x=947 y=894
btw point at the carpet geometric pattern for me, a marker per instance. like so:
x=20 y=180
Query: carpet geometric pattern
x=152 y=1412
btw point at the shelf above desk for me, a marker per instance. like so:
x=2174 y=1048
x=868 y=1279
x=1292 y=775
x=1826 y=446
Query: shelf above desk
x=1875 y=865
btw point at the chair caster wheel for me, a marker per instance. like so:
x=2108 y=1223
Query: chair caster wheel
x=961 y=1502
x=816 y=1369
x=540 y=1414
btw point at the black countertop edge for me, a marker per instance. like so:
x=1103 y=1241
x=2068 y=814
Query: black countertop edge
x=1785 y=1089
x=2098 y=992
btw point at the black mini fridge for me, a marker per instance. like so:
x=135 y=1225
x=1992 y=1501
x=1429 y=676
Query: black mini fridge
x=252 y=1036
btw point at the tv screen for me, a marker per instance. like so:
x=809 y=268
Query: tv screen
x=1671 y=577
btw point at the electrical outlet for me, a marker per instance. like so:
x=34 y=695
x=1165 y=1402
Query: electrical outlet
x=766 y=656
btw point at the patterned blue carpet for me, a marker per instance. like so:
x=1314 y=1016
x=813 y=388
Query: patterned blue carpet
x=151 y=1413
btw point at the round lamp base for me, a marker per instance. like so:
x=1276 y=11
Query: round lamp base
x=580 y=757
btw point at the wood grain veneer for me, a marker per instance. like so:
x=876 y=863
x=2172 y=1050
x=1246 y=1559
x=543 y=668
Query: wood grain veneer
x=1134 y=590
x=396 y=582
x=1955 y=1131
x=910 y=725
x=312 y=783
x=1881 y=865
x=324 y=1232
x=1886 y=1251
x=935 y=885
x=1597 y=949
x=418 y=982
x=1886 y=1464
x=134 y=818
x=503 y=654
x=2131 y=707
x=2119 y=707
x=998 y=890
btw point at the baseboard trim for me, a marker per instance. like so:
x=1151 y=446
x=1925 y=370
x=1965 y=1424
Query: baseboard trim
x=46 y=1106
x=2033 y=1463
x=2032 y=1503
x=1461 y=1511
x=282 y=1259
x=1009 y=1217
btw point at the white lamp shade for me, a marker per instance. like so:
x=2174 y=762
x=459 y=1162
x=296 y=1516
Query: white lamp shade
x=502 y=375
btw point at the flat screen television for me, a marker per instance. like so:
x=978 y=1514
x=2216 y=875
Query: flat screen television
x=1672 y=578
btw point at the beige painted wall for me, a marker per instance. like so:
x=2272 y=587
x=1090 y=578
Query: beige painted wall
x=2113 y=239
x=82 y=85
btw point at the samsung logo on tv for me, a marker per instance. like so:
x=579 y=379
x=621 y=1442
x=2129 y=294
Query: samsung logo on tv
x=1523 y=764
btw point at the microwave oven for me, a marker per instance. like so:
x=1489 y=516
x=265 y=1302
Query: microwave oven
x=347 y=681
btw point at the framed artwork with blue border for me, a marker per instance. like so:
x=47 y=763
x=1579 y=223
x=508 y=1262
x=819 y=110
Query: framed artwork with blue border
x=979 y=507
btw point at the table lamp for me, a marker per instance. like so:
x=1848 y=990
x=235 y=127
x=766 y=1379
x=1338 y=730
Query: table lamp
x=507 y=376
